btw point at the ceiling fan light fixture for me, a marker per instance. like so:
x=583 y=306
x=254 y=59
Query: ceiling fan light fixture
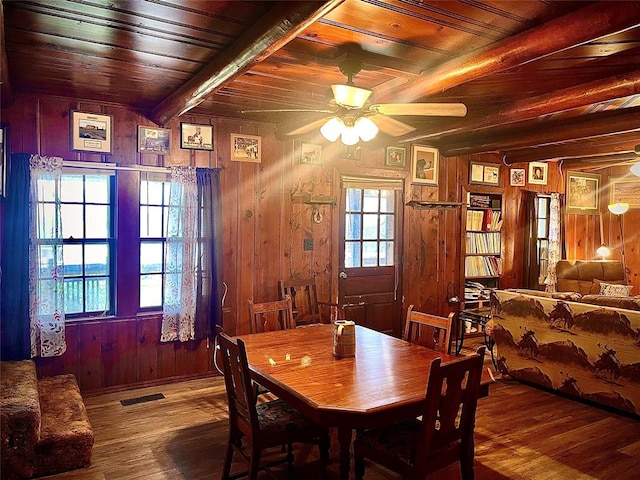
x=349 y=135
x=366 y=128
x=332 y=129
x=349 y=96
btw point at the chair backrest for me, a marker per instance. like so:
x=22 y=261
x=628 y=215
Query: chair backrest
x=304 y=299
x=267 y=316
x=240 y=392
x=428 y=330
x=448 y=416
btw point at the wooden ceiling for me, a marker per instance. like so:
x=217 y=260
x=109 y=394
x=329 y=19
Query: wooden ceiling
x=540 y=79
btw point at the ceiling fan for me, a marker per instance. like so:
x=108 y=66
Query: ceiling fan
x=352 y=120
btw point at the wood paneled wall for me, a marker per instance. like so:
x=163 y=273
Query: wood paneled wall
x=265 y=223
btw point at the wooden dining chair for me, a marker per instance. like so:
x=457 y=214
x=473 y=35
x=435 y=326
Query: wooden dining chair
x=274 y=315
x=307 y=309
x=428 y=330
x=443 y=435
x=256 y=427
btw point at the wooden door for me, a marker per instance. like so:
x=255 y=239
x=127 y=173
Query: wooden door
x=369 y=255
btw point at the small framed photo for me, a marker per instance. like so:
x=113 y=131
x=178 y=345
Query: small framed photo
x=484 y=173
x=538 y=173
x=311 y=154
x=625 y=189
x=154 y=140
x=91 y=132
x=583 y=193
x=246 y=148
x=396 y=157
x=517 y=177
x=424 y=165
x=196 y=137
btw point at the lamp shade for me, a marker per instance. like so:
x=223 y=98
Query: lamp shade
x=603 y=251
x=618 y=208
x=366 y=129
x=350 y=96
x=635 y=169
x=332 y=129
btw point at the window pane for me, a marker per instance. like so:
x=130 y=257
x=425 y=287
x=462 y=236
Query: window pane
x=351 y=254
x=151 y=257
x=150 y=222
x=369 y=254
x=386 y=254
x=47 y=260
x=97 y=221
x=97 y=189
x=46 y=190
x=150 y=291
x=72 y=221
x=352 y=226
x=46 y=221
x=71 y=189
x=543 y=227
x=370 y=224
x=354 y=197
x=371 y=201
x=386 y=227
x=387 y=201
x=97 y=294
x=96 y=260
x=73 y=295
x=72 y=260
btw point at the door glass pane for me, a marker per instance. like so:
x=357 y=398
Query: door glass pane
x=352 y=226
x=352 y=254
x=387 y=201
x=386 y=227
x=371 y=201
x=369 y=254
x=386 y=254
x=370 y=226
x=354 y=200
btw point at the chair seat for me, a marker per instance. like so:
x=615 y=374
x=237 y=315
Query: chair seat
x=277 y=416
x=398 y=440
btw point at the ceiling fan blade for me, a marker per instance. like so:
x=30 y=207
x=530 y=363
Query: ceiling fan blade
x=435 y=109
x=309 y=127
x=391 y=126
x=289 y=110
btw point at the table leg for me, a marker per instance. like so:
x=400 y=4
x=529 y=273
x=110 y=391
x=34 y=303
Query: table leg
x=344 y=441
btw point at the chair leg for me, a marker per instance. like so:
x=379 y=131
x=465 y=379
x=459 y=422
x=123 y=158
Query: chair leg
x=466 y=462
x=358 y=467
x=254 y=464
x=228 y=458
x=290 y=456
x=324 y=446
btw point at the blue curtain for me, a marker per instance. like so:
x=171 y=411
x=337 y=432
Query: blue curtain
x=14 y=283
x=209 y=281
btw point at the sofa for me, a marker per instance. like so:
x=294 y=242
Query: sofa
x=45 y=428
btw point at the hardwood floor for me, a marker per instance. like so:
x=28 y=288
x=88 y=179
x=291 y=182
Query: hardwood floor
x=521 y=433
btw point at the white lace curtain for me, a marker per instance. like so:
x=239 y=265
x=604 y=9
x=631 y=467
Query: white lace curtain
x=46 y=272
x=554 y=241
x=179 y=308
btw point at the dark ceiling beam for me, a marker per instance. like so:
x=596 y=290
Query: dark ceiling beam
x=576 y=28
x=568 y=98
x=278 y=27
x=543 y=133
x=6 y=93
x=595 y=148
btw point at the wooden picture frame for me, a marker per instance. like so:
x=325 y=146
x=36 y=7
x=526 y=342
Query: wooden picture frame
x=194 y=136
x=311 y=154
x=517 y=177
x=154 y=140
x=538 y=173
x=396 y=157
x=424 y=165
x=625 y=189
x=484 y=173
x=246 y=148
x=583 y=193
x=4 y=159
x=91 y=132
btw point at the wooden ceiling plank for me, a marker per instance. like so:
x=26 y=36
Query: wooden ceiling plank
x=283 y=22
x=570 y=30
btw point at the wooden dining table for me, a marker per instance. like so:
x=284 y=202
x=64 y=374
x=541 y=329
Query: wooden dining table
x=385 y=382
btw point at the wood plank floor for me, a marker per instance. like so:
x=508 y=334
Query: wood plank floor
x=522 y=433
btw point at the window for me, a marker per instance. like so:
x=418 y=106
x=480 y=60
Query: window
x=87 y=242
x=369 y=228
x=543 y=203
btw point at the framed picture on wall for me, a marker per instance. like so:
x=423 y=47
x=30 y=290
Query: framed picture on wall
x=91 y=132
x=396 y=157
x=424 y=165
x=538 y=173
x=517 y=177
x=625 y=189
x=246 y=148
x=484 y=173
x=583 y=193
x=196 y=137
x=154 y=140
x=311 y=154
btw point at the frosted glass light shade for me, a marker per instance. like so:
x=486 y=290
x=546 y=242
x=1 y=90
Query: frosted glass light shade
x=349 y=135
x=635 y=169
x=350 y=96
x=618 y=208
x=332 y=129
x=603 y=251
x=366 y=129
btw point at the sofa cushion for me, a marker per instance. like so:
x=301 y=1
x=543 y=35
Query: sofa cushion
x=613 y=290
x=569 y=285
x=596 y=285
x=628 y=303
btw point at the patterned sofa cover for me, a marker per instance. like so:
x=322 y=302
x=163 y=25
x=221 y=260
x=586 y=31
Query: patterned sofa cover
x=584 y=350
